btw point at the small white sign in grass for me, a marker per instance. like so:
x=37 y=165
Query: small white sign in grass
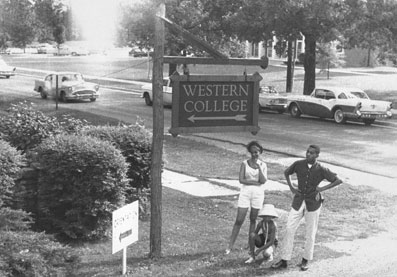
x=125 y=229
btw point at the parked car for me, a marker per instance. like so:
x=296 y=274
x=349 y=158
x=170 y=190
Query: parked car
x=138 y=52
x=271 y=99
x=46 y=49
x=341 y=104
x=71 y=86
x=167 y=93
x=6 y=70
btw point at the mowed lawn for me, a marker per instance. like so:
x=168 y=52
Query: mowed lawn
x=195 y=231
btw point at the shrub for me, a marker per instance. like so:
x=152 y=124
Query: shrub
x=26 y=253
x=82 y=180
x=10 y=163
x=134 y=142
x=24 y=127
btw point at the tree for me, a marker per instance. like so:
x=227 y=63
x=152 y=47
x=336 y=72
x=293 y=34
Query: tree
x=18 y=21
x=370 y=25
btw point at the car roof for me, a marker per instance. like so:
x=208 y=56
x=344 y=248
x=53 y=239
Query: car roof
x=64 y=73
x=339 y=89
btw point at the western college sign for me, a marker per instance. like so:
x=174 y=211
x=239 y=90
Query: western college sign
x=210 y=103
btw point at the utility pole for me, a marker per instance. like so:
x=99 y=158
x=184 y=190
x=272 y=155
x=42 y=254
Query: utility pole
x=158 y=133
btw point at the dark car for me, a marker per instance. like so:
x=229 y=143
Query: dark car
x=138 y=52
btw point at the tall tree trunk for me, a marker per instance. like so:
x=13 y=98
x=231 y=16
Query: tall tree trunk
x=309 y=64
x=290 y=67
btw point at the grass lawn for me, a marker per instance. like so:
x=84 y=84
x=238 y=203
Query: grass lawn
x=195 y=230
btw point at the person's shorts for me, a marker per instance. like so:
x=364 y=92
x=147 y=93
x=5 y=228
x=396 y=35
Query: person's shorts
x=260 y=241
x=251 y=196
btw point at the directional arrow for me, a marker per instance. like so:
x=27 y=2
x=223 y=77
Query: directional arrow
x=125 y=234
x=239 y=117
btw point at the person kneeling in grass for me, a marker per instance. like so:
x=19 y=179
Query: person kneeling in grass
x=264 y=236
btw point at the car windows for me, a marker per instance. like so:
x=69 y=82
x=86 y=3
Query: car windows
x=342 y=96
x=329 y=95
x=360 y=94
x=320 y=93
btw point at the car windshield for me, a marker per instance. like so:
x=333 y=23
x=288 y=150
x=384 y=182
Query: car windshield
x=72 y=77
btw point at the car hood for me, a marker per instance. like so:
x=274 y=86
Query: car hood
x=7 y=68
x=79 y=84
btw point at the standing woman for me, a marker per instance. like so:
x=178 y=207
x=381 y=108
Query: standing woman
x=253 y=174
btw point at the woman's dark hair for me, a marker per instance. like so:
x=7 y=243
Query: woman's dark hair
x=254 y=143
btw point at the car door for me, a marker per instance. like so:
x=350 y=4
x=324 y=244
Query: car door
x=48 y=84
x=314 y=103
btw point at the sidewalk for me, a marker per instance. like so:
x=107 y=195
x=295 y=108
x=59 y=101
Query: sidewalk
x=212 y=187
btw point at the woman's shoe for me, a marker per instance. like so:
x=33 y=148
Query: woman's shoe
x=250 y=260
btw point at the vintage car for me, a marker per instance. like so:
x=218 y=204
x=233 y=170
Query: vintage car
x=71 y=86
x=340 y=104
x=270 y=99
x=167 y=93
x=6 y=70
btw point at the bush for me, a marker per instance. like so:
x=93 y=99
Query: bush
x=24 y=127
x=10 y=163
x=134 y=141
x=26 y=253
x=82 y=180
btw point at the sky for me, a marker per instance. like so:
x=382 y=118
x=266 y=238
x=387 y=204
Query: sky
x=97 y=19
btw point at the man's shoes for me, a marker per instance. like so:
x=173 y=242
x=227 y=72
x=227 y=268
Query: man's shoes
x=280 y=265
x=304 y=265
x=250 y=260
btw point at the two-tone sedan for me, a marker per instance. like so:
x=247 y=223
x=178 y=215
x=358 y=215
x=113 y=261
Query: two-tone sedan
x=270 y=99
x=340 y=104
x=71 y=86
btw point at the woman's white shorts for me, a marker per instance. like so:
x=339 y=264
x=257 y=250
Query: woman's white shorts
x=251 y=196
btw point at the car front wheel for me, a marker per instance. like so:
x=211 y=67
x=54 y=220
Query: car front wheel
x=339 y=117
x=147 y=100
x=294 y=111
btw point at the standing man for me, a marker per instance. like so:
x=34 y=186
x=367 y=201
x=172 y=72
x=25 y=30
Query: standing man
x=306 y=203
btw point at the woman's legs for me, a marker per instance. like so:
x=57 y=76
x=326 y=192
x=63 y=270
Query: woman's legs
x=251 y=236
x=241 y=213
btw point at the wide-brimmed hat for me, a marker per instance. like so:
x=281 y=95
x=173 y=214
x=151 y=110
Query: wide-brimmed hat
x=269 y=210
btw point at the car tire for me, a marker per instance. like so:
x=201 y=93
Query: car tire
x=93 y=99
x=368 y=122
x=147 y=99
x=42 y=94
x=339 y=117
x=63 y=97
x=294 y=110
x=8 y=77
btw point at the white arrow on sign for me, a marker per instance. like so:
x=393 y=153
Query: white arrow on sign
x=239 y=117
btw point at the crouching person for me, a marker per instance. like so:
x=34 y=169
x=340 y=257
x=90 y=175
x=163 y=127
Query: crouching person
x=264 y=238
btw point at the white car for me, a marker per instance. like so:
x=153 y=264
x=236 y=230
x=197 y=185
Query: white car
x=270 y=99
x=167 y=93
x=6 y=70
x=71 y=86
x=339 y=103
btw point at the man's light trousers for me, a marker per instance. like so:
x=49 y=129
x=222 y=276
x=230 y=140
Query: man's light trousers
x=311 y=224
